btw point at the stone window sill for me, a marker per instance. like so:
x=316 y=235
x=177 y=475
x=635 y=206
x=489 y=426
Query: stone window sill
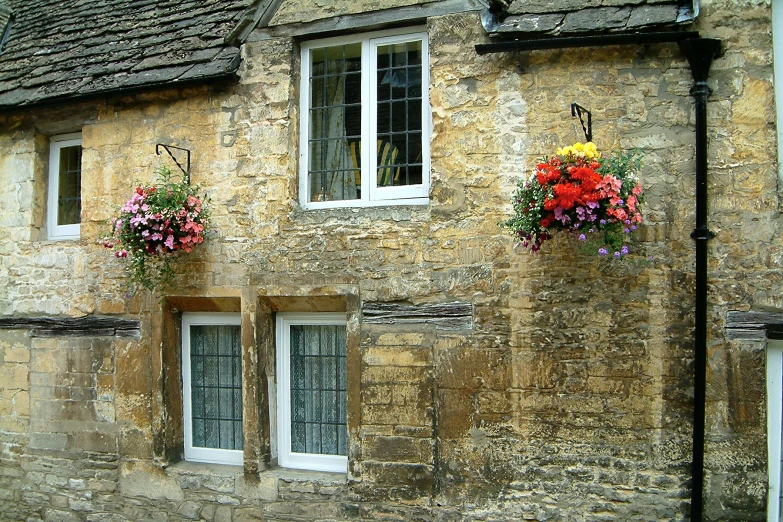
x=230 y=480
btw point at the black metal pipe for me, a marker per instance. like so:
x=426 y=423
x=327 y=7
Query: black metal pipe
x=700 y=53
x=586 y=41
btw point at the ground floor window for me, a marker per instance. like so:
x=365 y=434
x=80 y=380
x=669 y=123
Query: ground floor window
x=212 y=387
x=312 y=391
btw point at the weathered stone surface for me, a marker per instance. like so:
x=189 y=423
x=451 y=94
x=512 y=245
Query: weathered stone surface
x=570 y=392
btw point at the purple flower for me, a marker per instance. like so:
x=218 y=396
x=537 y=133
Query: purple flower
x=624 y=250
x=602 y=251
x=627 y=230
x=617 y=255
x=633 y=227
x=582 y=237
x=602 y=222
x=591 y=230
x=627 y=221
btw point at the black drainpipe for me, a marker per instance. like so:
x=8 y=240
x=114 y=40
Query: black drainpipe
x=700 y=53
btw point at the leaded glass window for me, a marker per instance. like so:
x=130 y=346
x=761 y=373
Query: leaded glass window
x=365 y=114
x=212 y=378
x=312 y=391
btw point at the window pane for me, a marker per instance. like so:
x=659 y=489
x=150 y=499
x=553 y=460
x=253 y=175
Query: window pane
x=398 y=114
x=216 y=386
x=318 y=389
x=69 y=200
x=335 y=122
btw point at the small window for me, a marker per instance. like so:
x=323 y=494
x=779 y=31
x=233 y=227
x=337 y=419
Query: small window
x=312 y=391
x=365 y=121
x=212 y=387
x=65 y=186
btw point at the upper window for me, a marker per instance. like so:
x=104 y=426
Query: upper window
x=365 y=121
x=65 y=186
x=212 y=387
x=312 y=391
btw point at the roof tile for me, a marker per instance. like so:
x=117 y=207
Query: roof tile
x=62 y=49
x=565 y=17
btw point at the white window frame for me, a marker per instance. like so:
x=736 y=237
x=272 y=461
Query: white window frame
x=200 y=454
x=287 y=458
x=371 y=194
x=774 y=422
x=55 y=230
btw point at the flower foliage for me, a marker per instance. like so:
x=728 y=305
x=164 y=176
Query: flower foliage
x=596 y=199
x=157 y=222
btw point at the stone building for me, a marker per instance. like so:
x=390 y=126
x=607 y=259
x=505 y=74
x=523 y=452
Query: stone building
x=470 y=380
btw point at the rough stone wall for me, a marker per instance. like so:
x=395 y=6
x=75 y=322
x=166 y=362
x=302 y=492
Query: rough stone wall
x=569 y=398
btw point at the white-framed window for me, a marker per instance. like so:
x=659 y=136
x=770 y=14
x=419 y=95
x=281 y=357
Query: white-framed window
x=365 y=120
x=65 y=186
x=212 y=387
x=312 y=391
x=774 y=426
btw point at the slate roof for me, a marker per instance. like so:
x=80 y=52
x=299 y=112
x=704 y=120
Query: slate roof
x=64 y=50
x=540 y=18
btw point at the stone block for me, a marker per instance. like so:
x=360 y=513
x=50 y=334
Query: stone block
x=48 y=441
x=396 y=356
x=473 y=368
x=398 y=449
x=145 y=480
x=15 y=376
x=455 y=413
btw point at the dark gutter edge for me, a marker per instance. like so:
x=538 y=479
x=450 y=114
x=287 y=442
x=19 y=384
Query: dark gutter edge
x=558 y=42
x=119 y=91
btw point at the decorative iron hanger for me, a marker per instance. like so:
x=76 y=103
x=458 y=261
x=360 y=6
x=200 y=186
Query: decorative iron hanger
x=578 y=110
x=168 y=148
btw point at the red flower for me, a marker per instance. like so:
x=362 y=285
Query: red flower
x=545 y=222
x=568 y=195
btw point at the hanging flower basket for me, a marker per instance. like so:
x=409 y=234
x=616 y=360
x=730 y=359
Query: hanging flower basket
x=155 y=225
x=597 y=200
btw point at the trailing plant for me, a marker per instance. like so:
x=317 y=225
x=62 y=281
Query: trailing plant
x=595 y=199
x=154 y=226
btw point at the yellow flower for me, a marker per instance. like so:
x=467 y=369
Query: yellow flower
x=567 y=151
x=580 y=150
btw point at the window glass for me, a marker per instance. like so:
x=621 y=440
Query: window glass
x=69 y=200
x=398 y=114
x=216 y=386
x=335 y=122
x=318 y=389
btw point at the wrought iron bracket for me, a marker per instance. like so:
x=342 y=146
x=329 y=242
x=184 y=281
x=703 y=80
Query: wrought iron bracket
x=577 y=111
x=167 y=148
